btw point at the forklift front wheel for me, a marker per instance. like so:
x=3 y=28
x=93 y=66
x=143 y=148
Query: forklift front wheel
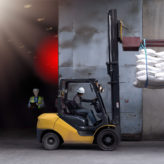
x=51 y=141
x=108 y=139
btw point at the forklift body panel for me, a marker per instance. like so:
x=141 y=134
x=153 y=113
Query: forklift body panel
x=68 y=133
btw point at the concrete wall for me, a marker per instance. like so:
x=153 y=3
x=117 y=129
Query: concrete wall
x=153 y=100
x=83 y=51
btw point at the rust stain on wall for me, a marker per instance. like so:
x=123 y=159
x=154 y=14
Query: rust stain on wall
x=69 y=63
x=85 y=33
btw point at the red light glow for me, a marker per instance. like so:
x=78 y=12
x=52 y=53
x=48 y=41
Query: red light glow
x=46 y=63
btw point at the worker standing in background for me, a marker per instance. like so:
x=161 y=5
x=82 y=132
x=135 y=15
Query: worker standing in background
x=36 y=103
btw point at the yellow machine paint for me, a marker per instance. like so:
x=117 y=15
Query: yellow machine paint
x=70 y=134
x=51 y=121
x=47 y=121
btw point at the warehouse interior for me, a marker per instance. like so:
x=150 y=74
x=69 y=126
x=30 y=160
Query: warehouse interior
x=24 y=26
x=83 y=50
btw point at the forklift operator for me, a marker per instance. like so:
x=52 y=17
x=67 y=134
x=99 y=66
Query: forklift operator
x=80 y=109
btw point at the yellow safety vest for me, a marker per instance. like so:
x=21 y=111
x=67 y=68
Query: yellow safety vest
x=40 y=100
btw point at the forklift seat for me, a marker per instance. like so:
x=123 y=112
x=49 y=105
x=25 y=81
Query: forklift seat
x=72 y=118
x=71 y=105
x=79 y=123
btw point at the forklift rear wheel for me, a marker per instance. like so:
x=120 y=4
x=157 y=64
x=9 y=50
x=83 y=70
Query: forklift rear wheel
x=51 y=141
x=108 y=139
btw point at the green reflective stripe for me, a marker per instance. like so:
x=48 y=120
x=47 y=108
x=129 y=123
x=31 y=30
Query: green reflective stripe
x=40 y=100
x=32 y=99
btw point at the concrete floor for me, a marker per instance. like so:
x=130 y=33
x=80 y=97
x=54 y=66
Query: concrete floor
x=28 y=151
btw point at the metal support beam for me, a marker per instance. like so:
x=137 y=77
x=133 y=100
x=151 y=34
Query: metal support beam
x=154 y=43
x=113 y=65
x=133 y=43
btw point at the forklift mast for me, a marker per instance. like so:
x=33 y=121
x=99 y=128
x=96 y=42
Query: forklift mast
x=113 y=64
x=128 y=44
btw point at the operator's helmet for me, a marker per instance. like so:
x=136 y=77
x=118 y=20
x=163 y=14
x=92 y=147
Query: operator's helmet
x=81 y=90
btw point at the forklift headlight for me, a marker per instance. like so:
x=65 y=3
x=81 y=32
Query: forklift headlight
x=101 y=89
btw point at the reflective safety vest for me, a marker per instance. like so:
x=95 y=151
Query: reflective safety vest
x=39 y=101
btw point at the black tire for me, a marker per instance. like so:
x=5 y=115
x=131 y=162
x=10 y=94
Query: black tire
x=108 y=139
x=51 y=141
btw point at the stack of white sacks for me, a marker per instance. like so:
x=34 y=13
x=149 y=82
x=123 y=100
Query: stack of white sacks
x=150 y=71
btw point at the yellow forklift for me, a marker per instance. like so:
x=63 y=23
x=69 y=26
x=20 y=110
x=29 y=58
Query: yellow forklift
x=67 y=126
x=53 y=129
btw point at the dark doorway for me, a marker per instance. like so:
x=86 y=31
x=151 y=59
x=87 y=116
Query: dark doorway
x=23 y=26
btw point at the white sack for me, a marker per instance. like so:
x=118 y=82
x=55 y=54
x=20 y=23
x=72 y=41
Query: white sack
x=159 y=75
x=155 y=59
x=153 y=74
x=150 y=52
x=143 y=67
x=159 y=65
x=142 y=73
x=149 y=62
x=160 y=54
